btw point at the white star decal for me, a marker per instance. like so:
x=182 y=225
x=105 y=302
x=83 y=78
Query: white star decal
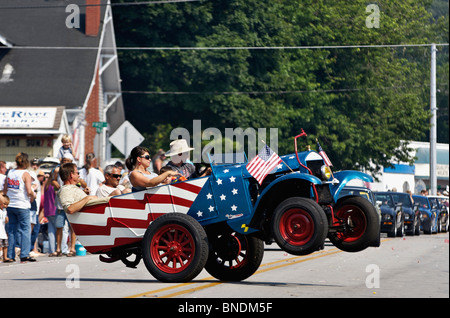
x=223 y=197
x=199 y=213
x=226 y=171
x=234 y=191
x=211 y=208
x=232 y=179
x=209 y=196
x=280 y=166
x=219 y=181
x=233 y=208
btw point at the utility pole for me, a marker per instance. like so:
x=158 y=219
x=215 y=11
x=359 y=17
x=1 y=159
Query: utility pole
x=433 y=178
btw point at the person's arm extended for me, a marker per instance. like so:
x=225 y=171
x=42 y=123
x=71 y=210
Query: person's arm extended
x=139 y=180
x=77 y=206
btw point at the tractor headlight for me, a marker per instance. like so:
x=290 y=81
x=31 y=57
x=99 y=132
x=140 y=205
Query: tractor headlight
x=326 y=172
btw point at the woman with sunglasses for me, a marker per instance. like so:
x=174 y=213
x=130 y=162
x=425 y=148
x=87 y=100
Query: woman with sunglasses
x=140 y=178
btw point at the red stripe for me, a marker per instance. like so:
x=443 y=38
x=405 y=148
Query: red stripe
x=95 y=209
x=188 y=186
x=168 y=199
x=128 y=204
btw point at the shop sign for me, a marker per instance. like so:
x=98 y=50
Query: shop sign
x=31 y=117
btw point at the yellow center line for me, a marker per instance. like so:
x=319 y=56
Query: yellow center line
x=268 y=267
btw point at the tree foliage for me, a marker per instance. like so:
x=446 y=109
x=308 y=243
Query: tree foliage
x=359 y=102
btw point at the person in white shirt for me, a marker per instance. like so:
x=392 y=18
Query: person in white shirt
x=111 y=186
x=93 y=176
x=18 y=188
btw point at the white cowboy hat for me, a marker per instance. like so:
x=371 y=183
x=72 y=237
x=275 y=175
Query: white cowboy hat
x=178 y=146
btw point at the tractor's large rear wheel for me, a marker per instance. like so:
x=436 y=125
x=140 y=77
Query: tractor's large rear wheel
x=360 y=225
x=299 y=226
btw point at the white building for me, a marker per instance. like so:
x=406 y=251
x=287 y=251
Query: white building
x=406 y=177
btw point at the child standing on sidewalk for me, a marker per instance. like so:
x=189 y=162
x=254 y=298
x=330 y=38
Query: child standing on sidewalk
x=4 y=201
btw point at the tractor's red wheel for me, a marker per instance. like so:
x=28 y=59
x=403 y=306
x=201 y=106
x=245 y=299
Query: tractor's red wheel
x=299 y=226
x=296 y=226
x=358 y=222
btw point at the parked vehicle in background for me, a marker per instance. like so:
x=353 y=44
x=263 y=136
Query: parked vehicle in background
x=48 y=164
x=440 y=203
x=428 y=214
x=411 y=212
x=392 y=214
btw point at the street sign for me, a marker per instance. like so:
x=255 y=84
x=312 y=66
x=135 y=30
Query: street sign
x=126 y=137
x=99 y=125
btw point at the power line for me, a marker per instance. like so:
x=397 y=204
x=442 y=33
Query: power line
x=342 y=90
x=193 y=48
x=124 y=4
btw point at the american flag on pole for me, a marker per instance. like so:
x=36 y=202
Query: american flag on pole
x=260 y=166
x=324 y=155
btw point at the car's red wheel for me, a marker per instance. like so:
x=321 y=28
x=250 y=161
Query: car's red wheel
x=175 y=248
x=299 y=226
x=359 y=224
x=172 y=248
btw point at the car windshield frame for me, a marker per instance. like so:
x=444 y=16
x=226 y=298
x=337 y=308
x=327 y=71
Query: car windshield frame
x=386 y=199
x=423 y=202
x=402 y=198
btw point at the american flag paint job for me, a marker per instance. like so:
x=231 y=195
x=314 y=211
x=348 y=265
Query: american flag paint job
x=124 y=219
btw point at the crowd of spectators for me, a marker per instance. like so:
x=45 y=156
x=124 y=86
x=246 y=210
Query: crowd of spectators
x=34 y=203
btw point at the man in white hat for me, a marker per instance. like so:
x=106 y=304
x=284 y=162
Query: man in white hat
x=179 y=154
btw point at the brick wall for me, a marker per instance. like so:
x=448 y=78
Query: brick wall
x=92 y=17
x=92 y=114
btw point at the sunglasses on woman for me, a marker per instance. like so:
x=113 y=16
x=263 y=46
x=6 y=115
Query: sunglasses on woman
x=146 y=157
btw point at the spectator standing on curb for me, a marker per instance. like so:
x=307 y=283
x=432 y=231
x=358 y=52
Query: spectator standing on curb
x=93 y=176
x=50 y=214
x=4 y=201
x=18 y=189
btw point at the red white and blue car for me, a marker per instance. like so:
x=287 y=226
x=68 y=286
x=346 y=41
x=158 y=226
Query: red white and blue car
x=221 y=222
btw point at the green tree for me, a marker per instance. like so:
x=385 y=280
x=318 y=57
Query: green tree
x=360 y=102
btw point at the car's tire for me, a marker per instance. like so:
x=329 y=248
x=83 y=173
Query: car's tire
x=401 y=231
x=361 y=224
x=234 y=257
x=417 y=227
x=299 y=226
x=393 y=233
x=175 y=248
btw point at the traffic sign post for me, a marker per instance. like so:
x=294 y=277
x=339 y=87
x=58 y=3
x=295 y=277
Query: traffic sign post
x=126 y=137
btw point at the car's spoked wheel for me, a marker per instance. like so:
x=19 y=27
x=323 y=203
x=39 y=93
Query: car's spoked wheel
x=175 y=248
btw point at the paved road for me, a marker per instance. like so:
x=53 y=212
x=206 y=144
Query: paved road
x=401 y=267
